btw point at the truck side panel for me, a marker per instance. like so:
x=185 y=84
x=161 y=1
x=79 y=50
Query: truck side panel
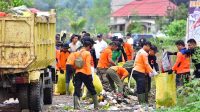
x=16 y=42
x=26 y=43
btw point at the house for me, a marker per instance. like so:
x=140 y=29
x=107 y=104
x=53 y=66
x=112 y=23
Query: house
x=117 y=4
x=146 y=12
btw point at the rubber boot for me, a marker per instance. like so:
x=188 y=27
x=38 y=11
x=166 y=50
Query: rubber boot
x=146 y=98
x=95 y=101
x=76 y=103
x=67 y=89
x=141 y=98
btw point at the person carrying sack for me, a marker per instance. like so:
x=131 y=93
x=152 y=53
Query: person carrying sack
x=84 y=75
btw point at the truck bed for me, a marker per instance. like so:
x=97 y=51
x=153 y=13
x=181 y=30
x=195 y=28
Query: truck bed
x=26 y=43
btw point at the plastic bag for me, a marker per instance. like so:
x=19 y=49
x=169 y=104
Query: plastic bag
x=97 y=84
x=60 y=87
x=166 y=62
x=165 y=90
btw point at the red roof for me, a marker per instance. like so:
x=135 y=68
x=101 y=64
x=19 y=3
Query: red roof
x=145 y=8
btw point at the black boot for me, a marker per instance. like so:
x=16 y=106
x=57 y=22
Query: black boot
x=95 y=101
x=141 y=98
x=76 y=103
x=146 y=97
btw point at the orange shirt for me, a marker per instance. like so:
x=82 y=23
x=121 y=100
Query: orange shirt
x=141 y=62
x=182 y=64
x=57 y=59
x=128 y=50
x=105 y=55
x=121 y=72
x=87 y=62
x=63 y=59
x=71 y=58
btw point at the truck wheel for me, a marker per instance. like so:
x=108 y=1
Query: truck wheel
x=48 y=95
x=23 y=97
x=36 y=96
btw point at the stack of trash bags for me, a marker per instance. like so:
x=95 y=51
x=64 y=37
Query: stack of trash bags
x=60 y=87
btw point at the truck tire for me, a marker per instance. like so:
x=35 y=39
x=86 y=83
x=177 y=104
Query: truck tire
x=48 y=95
x=23 y=97
x=36 y=96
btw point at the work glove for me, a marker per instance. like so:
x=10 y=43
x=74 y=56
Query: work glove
x=62 y=71
x=154 y=73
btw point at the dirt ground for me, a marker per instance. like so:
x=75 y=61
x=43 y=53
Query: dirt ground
x=64 y=103
x=59 y=102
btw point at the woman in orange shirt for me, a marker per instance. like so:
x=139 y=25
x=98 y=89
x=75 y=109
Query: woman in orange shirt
x=141 y=71
x=84 y=75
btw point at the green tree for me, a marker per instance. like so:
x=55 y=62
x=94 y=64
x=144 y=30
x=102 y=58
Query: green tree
x=180 y=13
x=135 y=27
x=6 y=4
x=77 y=26
x=177 y=29
x=99 y=16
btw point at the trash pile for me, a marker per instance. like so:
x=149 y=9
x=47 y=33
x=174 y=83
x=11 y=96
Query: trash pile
x=23 y=11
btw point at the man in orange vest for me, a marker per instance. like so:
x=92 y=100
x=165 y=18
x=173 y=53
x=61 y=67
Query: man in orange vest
x=141 y=71
x=84 y=75
x=117 y=74
x=105 y=61
x=128 y=48
x=182 y=65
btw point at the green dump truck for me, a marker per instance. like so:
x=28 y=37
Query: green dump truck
x=27 y=59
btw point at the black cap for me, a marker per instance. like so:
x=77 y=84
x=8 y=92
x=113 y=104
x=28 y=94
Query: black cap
x=120 y=40
x=99 y=35
x=65 y=46
x=114 y=38
x=128 y=34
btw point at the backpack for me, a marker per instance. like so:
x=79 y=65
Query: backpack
x=78 y=62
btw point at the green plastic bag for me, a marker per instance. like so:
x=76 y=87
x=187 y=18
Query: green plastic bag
x=165 y=90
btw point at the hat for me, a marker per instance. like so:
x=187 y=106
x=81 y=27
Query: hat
x=99 y=35
x=114 y=38
x=128 y=34
x=120 y=40
x=65 y=46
